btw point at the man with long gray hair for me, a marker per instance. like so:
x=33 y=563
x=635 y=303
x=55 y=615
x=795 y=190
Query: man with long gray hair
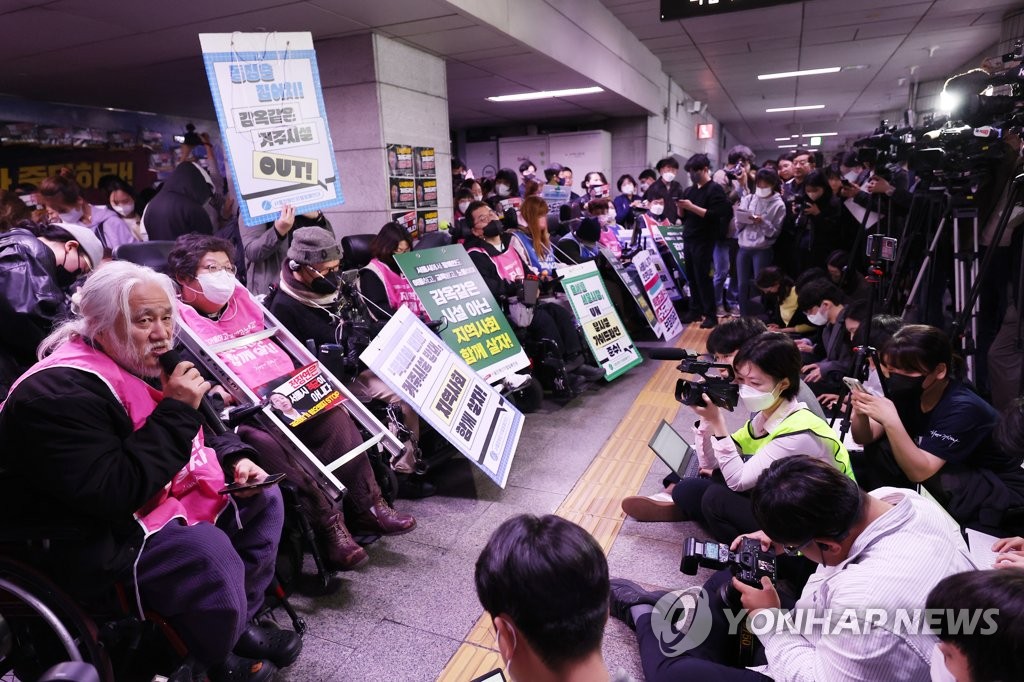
x=106 y=450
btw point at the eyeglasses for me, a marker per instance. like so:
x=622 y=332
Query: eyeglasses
x=214 y=268
x=794 y=550
x=329 y=271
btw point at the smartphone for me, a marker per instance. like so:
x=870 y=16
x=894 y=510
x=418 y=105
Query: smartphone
x=531 y=289
x=854 y=384
x=272 y=479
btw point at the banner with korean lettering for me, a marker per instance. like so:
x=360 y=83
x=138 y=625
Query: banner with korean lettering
x=307 y=393
x=602 y=326
x=632 y=283
x=451 y=288
x=266 y=90
x=457 y=402
x=673 y=235
x=647 y=268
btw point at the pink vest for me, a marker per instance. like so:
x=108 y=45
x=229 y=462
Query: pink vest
x=509 y=264
x=610 y=241
x=652 y=225
x=400 y=292
x=255 y=363
x=192 y=494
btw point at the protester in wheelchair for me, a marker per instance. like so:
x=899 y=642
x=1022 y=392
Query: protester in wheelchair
x=503 y=270
x=96 y=439
x=218 y=308
x=381 y=282
x=307 y=303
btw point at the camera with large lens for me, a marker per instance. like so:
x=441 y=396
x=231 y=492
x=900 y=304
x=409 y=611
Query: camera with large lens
x=749 y=563
x=717 y=383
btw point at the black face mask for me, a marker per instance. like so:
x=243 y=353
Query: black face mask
x=695 y=178
x=63 y=276
x=325 y=284
x=493 y=229
x=905 y=390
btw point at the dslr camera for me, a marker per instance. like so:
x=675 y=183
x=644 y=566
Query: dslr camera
x=749 y=564
x=718 y=383
x=880 y=247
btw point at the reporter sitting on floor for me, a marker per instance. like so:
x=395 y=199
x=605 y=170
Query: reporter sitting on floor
x=767 y=370
x=218 y=308
x=306 y=303
x=126 y=479
x=885 y=550
x=993 y=652
x=503 y=269
x=544 y=582
x=723 y=343
x=824 y=305
x=938 y=429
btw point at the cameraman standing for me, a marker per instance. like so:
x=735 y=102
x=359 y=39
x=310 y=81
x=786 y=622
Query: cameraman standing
x=706 y=212
x=882 y=551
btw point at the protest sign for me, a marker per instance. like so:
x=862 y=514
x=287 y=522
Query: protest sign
x=423 y=160
x=555 y=195
x=632 y=283
x=427 y=221
x=426 y=193
x=451 y=288
x=602 y=326
x=266 y=91
x=400 y=160
x=673 y=236
x=443 y=390
x=647 y=268
x=307 y=393
x=403 y=193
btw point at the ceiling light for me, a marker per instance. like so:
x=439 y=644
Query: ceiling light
x=820 y=134
x=546 y=94
x=788 y=146
x=794 y=74
x=782 y=139
x=815 y=141
x=805 y=107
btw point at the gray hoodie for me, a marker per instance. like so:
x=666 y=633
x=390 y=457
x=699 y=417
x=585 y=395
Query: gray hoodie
x=761 y=235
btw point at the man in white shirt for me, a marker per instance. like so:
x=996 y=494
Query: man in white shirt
x=879 y=554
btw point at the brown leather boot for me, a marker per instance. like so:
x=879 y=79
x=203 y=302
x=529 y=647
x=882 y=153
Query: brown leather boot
x=340 y=551
x=382 y=519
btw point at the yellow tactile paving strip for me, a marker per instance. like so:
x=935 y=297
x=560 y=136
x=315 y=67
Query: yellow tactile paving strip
x=617 y=471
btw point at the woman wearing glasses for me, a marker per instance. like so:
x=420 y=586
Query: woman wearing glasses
x=382 y=282
x=217 y=308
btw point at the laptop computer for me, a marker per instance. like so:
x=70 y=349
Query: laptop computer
x=674 y=451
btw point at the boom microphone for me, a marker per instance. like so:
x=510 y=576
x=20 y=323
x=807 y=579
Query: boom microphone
x=674 y=354
x=169 y=361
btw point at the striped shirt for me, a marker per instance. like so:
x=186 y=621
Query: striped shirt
x=892 y=565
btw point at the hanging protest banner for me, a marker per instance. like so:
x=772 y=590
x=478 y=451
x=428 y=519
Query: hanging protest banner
x=403 y=193
x=426 y=193
x=451 y=397
x=673 y=236
x=632 y=283
x=451 y=288
x=426 y=221
x=266 y=90
x=647 y=268
x=400 y=160
x=423 y=160
x=602 y=326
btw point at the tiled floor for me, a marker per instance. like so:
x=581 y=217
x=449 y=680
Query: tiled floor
x=407 y=612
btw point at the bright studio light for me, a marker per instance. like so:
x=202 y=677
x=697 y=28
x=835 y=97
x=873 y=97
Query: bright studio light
x=948 y=101
x=545 y=94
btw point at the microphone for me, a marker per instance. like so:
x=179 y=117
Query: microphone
x=674 y=354
x=169 y=361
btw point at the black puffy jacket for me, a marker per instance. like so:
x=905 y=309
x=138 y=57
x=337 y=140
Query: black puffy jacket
x=31 y=302
x=177 y=208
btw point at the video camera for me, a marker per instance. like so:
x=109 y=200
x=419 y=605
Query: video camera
x=719 y=387
x=749 y=564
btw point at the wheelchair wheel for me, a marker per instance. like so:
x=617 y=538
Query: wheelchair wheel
x=45 y=626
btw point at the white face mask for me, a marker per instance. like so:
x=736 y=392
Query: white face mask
x=627 y=188
x=817 y=319
x=851 y=176
x=644 y=186
x=668 y=176
x=73 y=216
x=217 y=286
x=501 y=190
x=657 y=209
x=606 y=219
x=478 y=197
x=756 y=401
x=763 y=192
x=124 y=210
x=463 y=205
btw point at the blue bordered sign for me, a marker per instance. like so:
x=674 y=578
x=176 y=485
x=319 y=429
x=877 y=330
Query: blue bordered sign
x=270 y=108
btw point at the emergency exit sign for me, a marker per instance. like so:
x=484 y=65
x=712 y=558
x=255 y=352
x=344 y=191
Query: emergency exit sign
x=705 y=131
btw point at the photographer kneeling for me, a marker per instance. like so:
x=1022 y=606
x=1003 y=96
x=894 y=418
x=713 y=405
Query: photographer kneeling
x=767 y=369
x=881 y=551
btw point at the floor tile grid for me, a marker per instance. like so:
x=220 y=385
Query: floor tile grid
x=617 y=471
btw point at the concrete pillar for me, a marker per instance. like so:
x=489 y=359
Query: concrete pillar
x=378 y=91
